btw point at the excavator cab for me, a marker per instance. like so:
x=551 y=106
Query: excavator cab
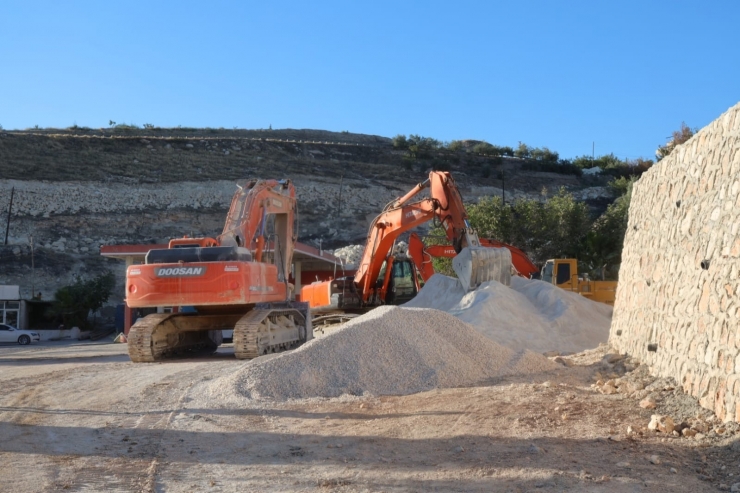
x=402 y=286
x=560 y=272
x=402 y=283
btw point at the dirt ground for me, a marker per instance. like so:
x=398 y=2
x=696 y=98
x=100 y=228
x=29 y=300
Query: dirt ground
x=82 y=417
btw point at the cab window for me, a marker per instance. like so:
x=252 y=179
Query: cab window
x=547 y=272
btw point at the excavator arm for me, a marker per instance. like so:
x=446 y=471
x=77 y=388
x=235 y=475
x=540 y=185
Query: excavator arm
x=246 y=223
x=473 y=266
x=446 y=205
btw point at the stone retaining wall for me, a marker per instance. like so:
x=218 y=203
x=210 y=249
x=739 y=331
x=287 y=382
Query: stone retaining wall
x=677 y=308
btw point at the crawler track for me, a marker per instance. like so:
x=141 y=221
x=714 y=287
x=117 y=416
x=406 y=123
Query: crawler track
x=263 y=331
x=140 y=347
x=259 y=331
x=157 y=336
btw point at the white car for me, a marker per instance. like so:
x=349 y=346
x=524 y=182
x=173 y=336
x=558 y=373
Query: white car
x=8 y=333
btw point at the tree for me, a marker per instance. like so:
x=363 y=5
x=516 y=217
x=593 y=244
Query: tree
x=544 y=155
x=522 y=151
x=620 y=186
x=421 y=147
x=455 y=146
x=550 y=229
x=603 y=245
x=677 y=138
x=75 y=302
x=400 y=142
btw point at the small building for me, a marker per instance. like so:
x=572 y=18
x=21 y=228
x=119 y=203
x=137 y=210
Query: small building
x=10 y=307
x=309 y=265
x=23 y=314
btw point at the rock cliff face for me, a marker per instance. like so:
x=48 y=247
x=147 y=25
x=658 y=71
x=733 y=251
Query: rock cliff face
x=677 y=302
x=75 y=192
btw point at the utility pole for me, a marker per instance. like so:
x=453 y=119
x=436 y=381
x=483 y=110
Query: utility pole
x=503 y=185
x=33 y=272
x=10 y=207
x=593 y=153
x=339 y=206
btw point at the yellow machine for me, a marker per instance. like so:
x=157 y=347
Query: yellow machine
x=564 y=274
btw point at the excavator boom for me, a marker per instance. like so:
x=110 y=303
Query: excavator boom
x=444 y=204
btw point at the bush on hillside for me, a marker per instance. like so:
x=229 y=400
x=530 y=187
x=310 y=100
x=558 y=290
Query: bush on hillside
x=75 y=302
x=677 y=138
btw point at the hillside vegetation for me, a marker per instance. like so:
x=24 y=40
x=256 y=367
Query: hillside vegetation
x=150 y=155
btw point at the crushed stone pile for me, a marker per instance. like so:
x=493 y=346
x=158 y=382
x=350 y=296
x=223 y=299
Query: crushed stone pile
x=388 y=351
x=530 y=314
x=352 y=254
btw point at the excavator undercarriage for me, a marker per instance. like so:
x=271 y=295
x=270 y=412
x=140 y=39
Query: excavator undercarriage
x=267 y=328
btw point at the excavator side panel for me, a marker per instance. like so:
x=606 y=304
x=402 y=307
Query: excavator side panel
x=203 y=284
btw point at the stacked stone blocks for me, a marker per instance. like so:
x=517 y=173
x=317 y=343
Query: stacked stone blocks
x=677 y=303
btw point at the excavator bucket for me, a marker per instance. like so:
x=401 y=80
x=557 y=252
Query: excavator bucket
x=476 y=265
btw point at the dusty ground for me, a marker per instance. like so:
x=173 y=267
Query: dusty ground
x=81 y=417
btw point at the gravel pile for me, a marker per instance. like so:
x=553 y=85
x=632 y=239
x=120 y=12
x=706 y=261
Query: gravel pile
x=530 y=314
x=388 y=351
x=352 y=254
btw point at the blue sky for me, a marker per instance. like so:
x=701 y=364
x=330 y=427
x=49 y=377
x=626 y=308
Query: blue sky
x=558 y=74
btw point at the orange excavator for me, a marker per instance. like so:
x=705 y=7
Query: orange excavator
x=238 y=281
x=384 y=278
x=422 y=256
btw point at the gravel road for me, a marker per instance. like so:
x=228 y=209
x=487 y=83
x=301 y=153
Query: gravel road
x=82 y=418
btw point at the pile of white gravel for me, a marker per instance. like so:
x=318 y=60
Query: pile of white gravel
x=351 y=255
x=530 y=314
x=388 y=351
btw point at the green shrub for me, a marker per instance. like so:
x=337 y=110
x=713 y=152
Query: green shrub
x=677 y=138
x=400 y=142
x=523 y=151
x=74 y=303
x=561 y=167
x=455 y=146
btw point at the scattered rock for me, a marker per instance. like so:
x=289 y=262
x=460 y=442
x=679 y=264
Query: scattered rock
x=654 y=459
x=562 y=361
x=623 y=464
x=700 y=426
x=634 y=386
x=661 y=423
x=648 y=403
x=613 y=358
x=608 y=388
x=735 y=488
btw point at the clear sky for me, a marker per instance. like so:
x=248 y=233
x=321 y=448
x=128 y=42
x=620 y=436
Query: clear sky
x=623 y=74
